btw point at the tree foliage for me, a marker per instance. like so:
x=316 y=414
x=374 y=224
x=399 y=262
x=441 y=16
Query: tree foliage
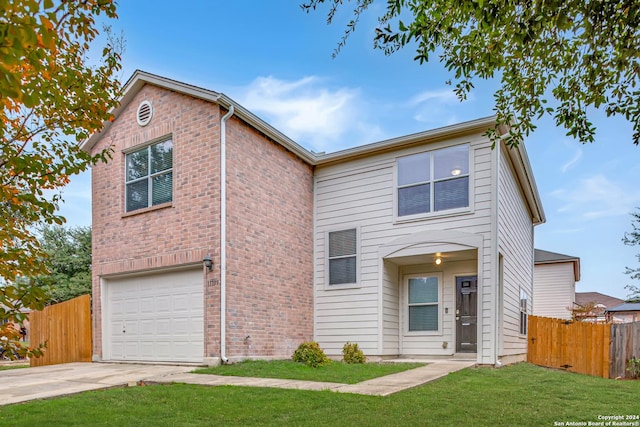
x=52 y=97
x=68 y=260
x=632 y=238
x=580 y=54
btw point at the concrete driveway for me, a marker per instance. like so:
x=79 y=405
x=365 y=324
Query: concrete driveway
x=20 y=385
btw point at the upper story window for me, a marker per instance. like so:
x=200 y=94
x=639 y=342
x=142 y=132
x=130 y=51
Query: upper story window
x=343 y=256
x=433 y=181
x=149 y=178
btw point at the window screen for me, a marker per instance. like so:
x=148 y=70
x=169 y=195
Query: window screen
x=342 y=256
x=423 y=301
x=433 y=181
x=149 y=176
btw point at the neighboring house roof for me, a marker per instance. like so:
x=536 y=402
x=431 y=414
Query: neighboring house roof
x=517 y=155
x=583 y=298
x=546 y=257
x=626 y=306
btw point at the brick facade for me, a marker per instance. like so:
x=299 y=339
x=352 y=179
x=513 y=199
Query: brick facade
x=270 y=246
x=269 y=223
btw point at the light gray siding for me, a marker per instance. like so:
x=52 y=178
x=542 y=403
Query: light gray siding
x=554 y=290
x=360 y=193
x=515 y=243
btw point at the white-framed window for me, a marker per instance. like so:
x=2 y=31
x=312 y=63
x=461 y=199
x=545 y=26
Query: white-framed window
x=523 y=312
x=343 y=257
x=149 y=176
x=423 y=303
x=433 y=181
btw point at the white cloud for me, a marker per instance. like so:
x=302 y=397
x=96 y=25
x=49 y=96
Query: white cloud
x=309 y=112
x=597 y=197
x=435 y=107
x=573 y=161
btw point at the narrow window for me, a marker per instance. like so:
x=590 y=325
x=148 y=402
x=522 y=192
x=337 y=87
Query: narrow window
x=149 y=176
x=423 y=303
x=343 y=254
x=433 y=181
x=523 y=312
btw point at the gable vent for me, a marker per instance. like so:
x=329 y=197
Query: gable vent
x=144 y=114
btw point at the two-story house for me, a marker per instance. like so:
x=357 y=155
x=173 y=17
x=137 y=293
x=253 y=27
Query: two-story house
x=554 y=283
x=216 y=237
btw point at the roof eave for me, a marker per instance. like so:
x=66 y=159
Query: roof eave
x=524 y=174
x=141 y=78
x=433 y=135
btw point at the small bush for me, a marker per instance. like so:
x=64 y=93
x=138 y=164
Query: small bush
x=633 y=367
x=310 y=354
x=352 y=354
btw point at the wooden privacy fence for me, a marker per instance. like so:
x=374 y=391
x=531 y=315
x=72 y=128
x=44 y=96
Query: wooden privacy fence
x=574 y=346
x=66 y=328
x=597 y=349
x=625 y=344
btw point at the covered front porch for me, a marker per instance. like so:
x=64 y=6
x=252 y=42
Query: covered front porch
x=431 y=296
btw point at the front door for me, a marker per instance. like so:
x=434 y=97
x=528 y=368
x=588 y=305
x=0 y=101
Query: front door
x=467 y=314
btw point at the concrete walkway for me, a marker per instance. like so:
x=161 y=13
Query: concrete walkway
x=382 y=386
x=20 y=385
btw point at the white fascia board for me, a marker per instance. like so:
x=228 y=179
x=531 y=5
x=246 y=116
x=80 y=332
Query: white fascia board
x=447 y=132
x=527 y=182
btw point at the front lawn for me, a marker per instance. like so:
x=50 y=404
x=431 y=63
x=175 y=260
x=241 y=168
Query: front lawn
x=519 y=395
x=13 y=366
x=335 y=372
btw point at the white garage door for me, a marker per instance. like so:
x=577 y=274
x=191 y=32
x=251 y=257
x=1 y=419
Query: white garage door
x=155 y=318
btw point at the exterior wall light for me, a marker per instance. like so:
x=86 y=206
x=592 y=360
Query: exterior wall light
x=208 y=262
x=438 y=261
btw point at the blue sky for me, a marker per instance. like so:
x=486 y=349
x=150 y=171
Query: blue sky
x=276 y=60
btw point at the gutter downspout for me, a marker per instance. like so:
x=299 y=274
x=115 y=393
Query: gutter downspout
x=223 y=235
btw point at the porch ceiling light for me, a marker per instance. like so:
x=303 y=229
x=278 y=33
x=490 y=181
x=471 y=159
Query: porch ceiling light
x=208 y=262
x=438 y=261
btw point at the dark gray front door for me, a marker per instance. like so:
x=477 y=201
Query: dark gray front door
x=467 y=314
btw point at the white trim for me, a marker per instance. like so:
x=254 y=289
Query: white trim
x=105 y=329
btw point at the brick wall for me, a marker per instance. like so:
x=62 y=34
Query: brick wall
x=269 y=223
x=179 y=234
x=270 y=246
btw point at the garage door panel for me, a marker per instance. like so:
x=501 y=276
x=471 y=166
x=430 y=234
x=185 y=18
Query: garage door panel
x=182 y=326
x=146 y=304
x=163 y=327
x=147 y=327
x=161 y=316
x=163 y=304
x=130 y=307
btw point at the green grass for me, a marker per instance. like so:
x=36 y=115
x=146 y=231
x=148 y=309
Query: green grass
x=519 y=395
x=7 y=367
x=336 y=372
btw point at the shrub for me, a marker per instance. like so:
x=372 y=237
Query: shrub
x=352 y=354
x=633 y=367
x=310 y=354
